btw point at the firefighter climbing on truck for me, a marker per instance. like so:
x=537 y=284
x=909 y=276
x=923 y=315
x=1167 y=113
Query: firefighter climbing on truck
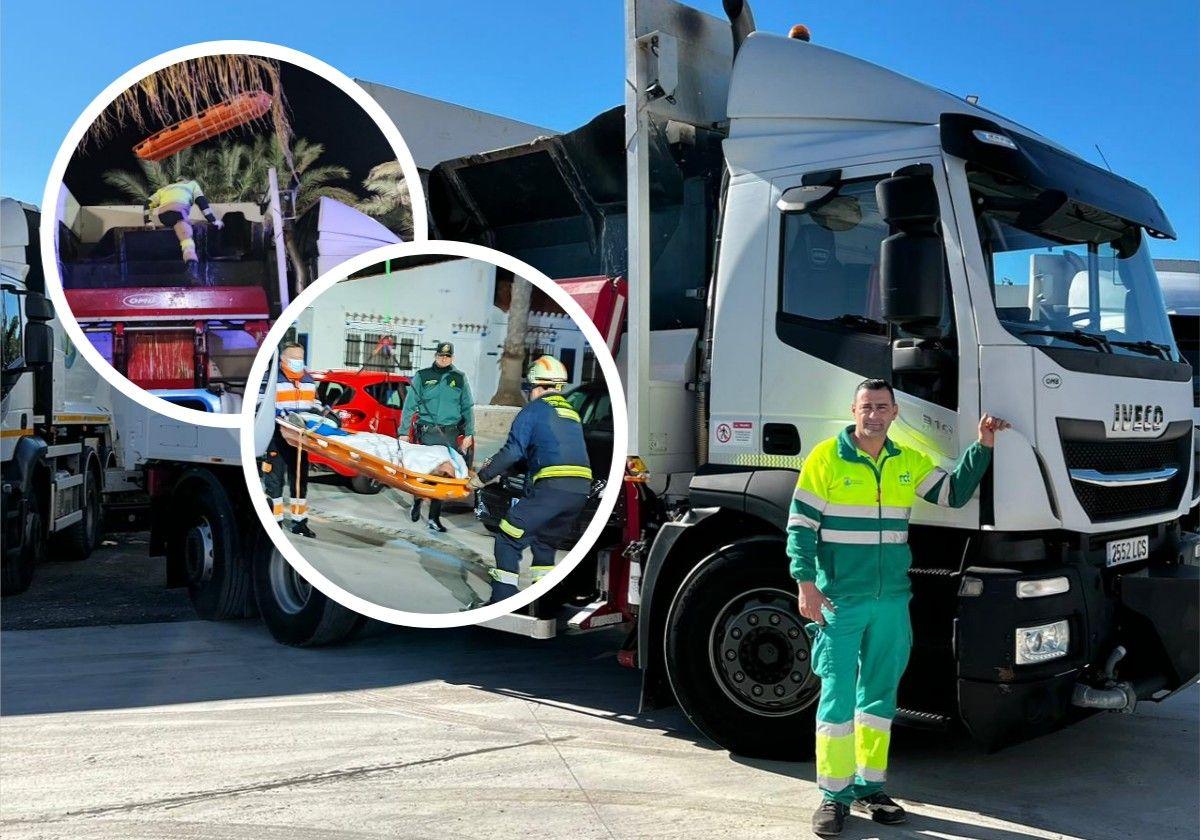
x=172 y=206
x=547 y=435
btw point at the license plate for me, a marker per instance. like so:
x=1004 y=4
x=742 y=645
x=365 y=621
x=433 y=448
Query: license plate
x=1128 y=550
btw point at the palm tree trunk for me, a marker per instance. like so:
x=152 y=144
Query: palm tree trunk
x=509 y=390
x=296 y=259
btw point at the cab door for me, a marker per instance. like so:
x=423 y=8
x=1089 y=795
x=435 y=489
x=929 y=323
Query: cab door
x=823 y=328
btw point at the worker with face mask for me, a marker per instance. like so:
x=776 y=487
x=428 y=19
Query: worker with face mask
x=295 y=390
x=172 y=206
x=547 y=436
x=848 y=545
x=439 y=401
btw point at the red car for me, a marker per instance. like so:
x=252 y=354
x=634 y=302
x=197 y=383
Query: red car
x=364 y=401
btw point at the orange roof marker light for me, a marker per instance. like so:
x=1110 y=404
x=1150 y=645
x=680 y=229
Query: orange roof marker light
x=800 y=32
x=241 y=109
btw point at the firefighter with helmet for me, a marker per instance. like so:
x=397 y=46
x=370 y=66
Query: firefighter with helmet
x=547 y=435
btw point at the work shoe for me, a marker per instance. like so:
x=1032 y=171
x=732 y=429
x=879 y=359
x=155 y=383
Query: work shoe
x=436 y=525
x=416 y=511
x=829 y=819
x=881 y=808
x=301 y=528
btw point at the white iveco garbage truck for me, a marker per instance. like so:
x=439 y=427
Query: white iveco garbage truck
x=55 y=418
x=792 y=220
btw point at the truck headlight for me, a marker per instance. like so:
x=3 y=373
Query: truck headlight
x=1046 y=641
x=1042 y=588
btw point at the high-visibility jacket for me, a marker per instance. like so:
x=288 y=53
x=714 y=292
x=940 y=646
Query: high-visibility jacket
x=548 y=436
x=848 y=527
x=440 y=396
x=180 y=197
x=295 y=394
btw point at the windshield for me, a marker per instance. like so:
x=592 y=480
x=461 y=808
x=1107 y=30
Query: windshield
x=1068 y=275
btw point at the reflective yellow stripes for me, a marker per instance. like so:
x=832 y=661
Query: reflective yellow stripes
x=539 y=572
x=568 y=413
x=511 y=529
x=563 y=471
x=12 y=433
x=872 y=735
x=501 y=576
x=835 y=755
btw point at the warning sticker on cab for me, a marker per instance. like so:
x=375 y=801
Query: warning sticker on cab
x=735 y=433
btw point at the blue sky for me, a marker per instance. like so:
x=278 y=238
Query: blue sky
x=1124 y=76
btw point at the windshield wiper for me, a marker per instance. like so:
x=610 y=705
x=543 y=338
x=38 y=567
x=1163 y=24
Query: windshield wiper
x=1150 y=348
x=1100 y=342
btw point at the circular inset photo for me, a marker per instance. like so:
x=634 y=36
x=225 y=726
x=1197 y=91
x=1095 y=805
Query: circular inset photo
x=200 y=194
x=439 y=435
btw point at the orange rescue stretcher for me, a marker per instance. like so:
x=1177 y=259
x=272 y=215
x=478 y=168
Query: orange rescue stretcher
x=210 y=122
x=385 y=472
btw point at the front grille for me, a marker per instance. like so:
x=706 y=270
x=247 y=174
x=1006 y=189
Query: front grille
x=1084 y=447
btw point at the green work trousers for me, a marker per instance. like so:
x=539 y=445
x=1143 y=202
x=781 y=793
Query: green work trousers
x=860 y=655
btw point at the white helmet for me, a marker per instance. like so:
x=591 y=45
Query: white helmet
x=547 y=372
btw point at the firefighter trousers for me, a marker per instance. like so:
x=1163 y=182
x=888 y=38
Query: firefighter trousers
x=537 y=522
x=279 y=475
x=860 y=655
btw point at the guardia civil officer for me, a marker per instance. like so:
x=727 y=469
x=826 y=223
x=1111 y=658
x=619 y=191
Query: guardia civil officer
x=547 y=435
x=440 y=398
x=850 y=512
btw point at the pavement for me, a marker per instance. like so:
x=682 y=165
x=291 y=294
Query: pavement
x=201 y=730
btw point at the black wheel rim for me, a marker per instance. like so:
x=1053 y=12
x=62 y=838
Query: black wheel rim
x=761 y=656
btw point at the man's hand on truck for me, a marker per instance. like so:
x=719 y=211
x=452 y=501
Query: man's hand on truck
x=811 y=602
x=988 y=426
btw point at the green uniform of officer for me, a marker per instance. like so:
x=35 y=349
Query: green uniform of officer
x=440 y=398
x=848 y=544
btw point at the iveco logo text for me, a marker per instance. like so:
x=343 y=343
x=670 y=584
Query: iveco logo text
x=1137 y=418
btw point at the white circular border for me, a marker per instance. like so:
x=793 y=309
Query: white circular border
x=616 y=473
x=50 y=197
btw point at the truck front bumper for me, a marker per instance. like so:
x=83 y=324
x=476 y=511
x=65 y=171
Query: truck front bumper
x=1151 y=610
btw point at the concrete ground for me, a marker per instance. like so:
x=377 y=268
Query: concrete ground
x=200 y=730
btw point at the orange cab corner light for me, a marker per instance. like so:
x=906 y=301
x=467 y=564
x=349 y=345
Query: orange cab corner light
x=208 y=123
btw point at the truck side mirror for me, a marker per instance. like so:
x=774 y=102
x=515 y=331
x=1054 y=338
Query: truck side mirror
x=38 y=307
x=912 y=261
x=39 y=344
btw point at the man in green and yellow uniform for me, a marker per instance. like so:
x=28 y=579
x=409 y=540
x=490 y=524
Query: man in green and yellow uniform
x=848 y=545
x=440 y=398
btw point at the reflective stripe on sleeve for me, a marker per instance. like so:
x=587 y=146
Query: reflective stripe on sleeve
x=928 y=483
x=511 y=529
x=799 y=520
x=563 y=471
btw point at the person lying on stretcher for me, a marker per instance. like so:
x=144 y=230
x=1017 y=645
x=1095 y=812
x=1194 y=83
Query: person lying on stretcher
x=414 y=457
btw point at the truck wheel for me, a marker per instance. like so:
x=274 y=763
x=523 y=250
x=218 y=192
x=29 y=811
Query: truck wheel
x=81 y=539
x=294 y=611
x=17 y=576
x=365 y=485
x=206 y=537
x=737 y=656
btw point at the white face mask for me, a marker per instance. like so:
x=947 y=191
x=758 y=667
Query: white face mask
x=295 y=365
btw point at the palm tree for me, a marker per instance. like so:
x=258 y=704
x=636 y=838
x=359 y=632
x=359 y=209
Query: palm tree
x=389 y=200
x=508 y=391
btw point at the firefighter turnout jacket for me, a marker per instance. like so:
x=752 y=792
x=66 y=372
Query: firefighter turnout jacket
x=179 y=197
x=548 y=436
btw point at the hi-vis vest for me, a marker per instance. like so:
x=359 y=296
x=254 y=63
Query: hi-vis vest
x=848 y=528
x=179 y=197
x=548 y=436
x=294 y=395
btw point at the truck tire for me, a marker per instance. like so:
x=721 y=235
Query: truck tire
x=365 y=485
x=17 y=576
x=81 y=539
x=295 y=612
x=737 y=656
x=205 y=536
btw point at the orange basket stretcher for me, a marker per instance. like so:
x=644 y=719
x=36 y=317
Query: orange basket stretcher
x=217 y=119
x=385 y=472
